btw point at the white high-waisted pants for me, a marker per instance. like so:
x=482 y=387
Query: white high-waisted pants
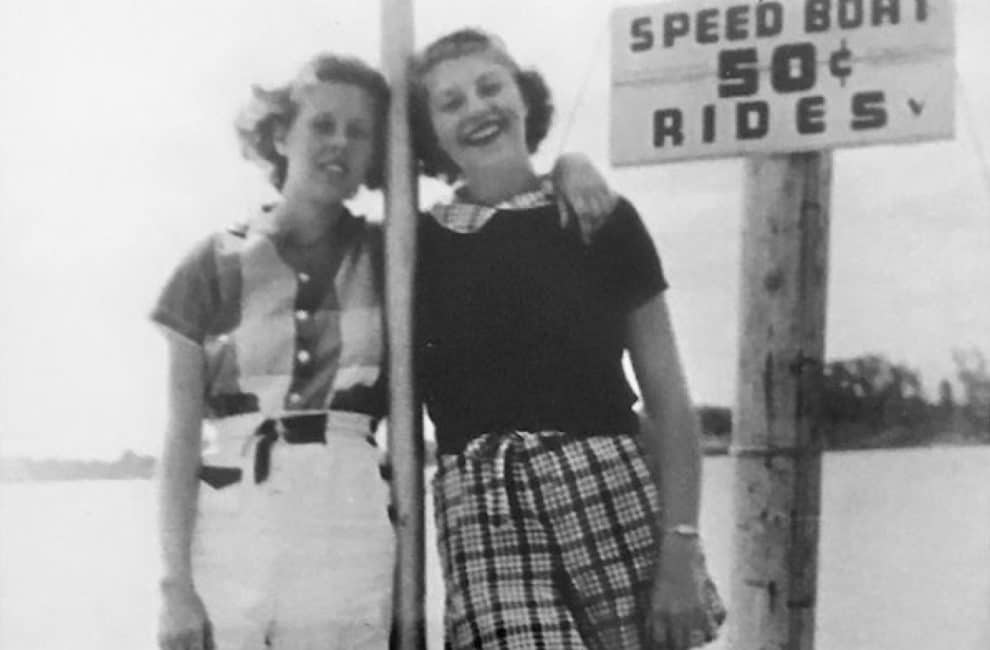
x=304 y=559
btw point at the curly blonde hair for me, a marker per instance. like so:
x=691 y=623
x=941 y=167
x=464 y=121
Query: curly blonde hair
x=272 y=109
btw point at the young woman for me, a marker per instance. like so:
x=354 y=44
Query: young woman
x=547 y=510
x=274 y=531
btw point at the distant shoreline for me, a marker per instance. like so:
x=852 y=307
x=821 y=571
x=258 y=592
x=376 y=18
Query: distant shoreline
x=128 y=466
x=132 y=466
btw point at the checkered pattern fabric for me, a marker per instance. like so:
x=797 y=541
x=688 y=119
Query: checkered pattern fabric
x=465 y=217
x=547 y=541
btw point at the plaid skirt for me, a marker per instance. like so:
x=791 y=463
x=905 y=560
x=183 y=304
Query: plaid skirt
x=549 y=541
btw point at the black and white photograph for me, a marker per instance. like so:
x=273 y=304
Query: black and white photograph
x=495 y=325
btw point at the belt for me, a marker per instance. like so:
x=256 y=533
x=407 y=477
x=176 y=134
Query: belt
x=294 y=430
x=298 y=430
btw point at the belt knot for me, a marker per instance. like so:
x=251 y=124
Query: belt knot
x=496 y=450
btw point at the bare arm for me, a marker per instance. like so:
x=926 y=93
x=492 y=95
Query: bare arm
x=672 y=435
x=581 y=188
x=183 y=624
x=177 y=480
x=671 y=438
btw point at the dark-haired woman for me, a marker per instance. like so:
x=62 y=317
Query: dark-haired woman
x=553 y=531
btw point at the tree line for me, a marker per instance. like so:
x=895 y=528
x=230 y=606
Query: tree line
x=866 y=402
x=869 y=401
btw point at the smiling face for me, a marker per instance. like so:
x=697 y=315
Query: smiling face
x=477 y=111
x=330 y=144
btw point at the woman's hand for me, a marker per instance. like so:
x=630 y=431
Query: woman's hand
x=182 y=621
x=679 y=618
x=582 y=190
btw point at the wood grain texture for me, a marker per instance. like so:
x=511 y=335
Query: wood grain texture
x=777 y=443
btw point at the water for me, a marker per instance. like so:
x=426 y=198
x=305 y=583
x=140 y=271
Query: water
x=905 y=556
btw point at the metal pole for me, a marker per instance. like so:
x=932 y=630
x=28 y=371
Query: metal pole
x=404 y=424
x=777 y=443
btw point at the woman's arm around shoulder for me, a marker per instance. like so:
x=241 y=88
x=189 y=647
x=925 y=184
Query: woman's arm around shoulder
x=583 y=194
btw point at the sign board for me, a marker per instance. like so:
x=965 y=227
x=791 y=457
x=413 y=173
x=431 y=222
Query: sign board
x=705 y=78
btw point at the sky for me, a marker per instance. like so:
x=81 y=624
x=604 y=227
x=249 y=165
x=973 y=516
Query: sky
x=118 y=154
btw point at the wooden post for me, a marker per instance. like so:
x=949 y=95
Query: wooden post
x=777 y=444
x=404 y=423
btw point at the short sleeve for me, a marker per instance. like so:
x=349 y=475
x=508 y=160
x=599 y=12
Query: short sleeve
x=190 y=298
x=628 y=259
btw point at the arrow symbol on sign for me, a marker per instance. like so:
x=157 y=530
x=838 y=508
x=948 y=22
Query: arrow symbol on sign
x=916 y=106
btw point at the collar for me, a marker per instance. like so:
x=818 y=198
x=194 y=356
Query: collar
x=464 y=217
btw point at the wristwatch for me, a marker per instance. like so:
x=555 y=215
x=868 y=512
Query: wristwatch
x=684 y=530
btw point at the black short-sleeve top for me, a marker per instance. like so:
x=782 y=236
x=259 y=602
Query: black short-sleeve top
x=520 y=326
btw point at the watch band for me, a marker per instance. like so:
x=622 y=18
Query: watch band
x=684 y=530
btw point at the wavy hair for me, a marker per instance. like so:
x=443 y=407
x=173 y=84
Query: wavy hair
x=271 y=109
x=433 y=160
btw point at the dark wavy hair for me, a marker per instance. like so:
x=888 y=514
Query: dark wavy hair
x=433 y=160
x=271 y=109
